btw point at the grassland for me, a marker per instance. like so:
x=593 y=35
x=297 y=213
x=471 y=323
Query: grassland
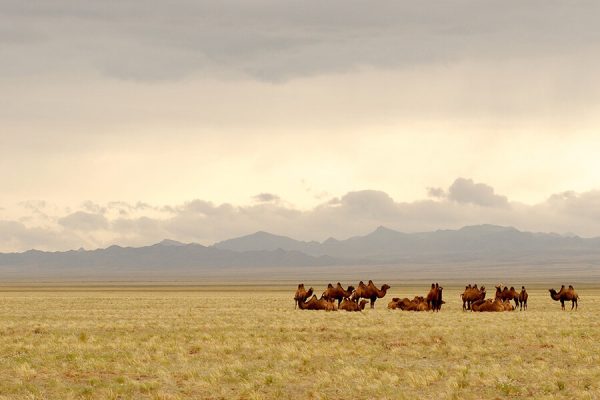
x=250 y=343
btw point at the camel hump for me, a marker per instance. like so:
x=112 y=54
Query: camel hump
x=329 y=285
x=370 y=282
x=571 y=287
x=301 y=286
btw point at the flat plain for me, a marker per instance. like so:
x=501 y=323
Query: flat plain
x=248 y=342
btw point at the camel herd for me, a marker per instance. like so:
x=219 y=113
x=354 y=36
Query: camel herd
x=473 y=298
x=351 y=299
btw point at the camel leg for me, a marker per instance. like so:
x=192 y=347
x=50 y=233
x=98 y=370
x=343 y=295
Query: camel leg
x=372 y=303
x=562 y=304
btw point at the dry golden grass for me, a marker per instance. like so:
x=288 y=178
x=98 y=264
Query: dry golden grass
x=252 y=344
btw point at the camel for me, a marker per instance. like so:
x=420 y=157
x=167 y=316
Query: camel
x=565 y=295
x=394 y=304
x=337 y=293
x=488 y=305
x=507 y=294
x=523 y=298
x=472 y=294
x=508 y=306
x=417 y=304
x=350 y=305
x=317 y=304
x=302 y=294
x=434 y=297
x=369 y=291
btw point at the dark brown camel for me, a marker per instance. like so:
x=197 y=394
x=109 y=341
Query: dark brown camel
x=302 y=294
x=523 y=298
x=434 y=297
x=350 y=305
x=337 y=293
x=369 y=291
x=471 y=295
x=565 y=295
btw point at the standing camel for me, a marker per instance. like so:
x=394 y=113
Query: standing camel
x=369 y=291
x=337 y=293
x=523 y=298
x=471 y=295
x=565 y=295
x=507 y=294
x=434 y=297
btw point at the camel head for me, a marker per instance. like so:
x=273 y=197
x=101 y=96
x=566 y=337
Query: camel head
x=309 y=293
x=385 y=287
x=350 y=289
x=522 y=287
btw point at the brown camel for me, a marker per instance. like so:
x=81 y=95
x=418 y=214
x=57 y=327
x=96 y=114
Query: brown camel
x=337 y=293
x=417 y=304
x=472 y=294
x=350 y=305
x=317 y=304
x=507 y=294
x=523 y=298
x=369 y=291
x=434 y=297
x=488 y=305
x=565 y=295
x=508 y=306
x=302 y=294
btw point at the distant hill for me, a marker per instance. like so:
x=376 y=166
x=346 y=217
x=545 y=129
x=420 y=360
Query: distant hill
x=467 y=243
x=484 y=244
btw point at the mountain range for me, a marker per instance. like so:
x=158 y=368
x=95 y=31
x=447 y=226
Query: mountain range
x=486 y=244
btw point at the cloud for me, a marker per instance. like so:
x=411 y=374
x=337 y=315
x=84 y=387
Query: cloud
x=266 y=198
x=84 y=221
x=358 y=212
x=277 y=40
x=434 y=192
x=466 y=191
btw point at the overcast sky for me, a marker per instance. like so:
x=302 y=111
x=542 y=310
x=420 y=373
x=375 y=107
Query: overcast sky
x=127 y=121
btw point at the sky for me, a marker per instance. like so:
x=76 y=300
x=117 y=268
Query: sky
x=127 y=122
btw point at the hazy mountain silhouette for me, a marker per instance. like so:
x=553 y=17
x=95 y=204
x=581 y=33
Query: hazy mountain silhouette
x=383 y=244
x=485 y=244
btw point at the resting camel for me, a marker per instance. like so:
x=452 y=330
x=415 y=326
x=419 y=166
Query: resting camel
x=488 y=305
x=337 y=293
x=302 y=294
x=369 y=291
x=472 y=294
x=350 y=305
x=317 y=304
x=434 y=297
x=523 y=298
x=419 y=303
x=565 y=295
x=507 y=294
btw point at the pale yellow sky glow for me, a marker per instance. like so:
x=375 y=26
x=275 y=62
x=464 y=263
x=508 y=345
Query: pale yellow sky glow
x=164 y=116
